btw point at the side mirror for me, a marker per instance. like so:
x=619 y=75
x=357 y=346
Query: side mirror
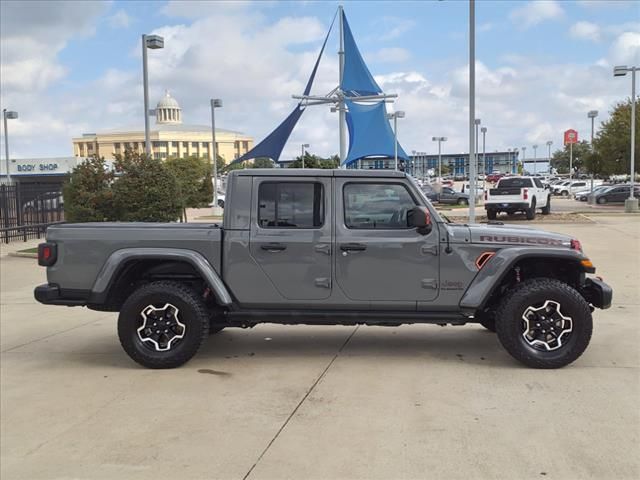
x=420 y=218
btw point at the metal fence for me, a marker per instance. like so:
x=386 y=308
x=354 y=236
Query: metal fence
x=27 y=209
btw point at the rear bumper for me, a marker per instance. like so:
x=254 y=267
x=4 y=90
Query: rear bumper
x=597 y=293
x=506 y=206
x=52 y=295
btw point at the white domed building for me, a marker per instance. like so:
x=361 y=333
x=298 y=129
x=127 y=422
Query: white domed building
x=169 y=138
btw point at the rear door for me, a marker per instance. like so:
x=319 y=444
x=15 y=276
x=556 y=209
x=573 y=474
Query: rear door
x=291 y=235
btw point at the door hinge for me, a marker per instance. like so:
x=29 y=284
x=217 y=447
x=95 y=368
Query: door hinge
x=429 y=283
x=323 y=282
x=432 y=249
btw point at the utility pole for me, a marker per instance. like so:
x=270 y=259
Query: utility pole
x=472 y=110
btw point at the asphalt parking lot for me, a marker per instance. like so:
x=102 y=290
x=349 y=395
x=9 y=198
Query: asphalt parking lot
x=302 y=402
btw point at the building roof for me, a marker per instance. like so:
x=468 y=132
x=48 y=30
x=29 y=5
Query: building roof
x=164 y=127
x=167 y=101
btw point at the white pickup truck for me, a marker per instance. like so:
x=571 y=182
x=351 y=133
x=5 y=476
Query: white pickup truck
x=517 y=194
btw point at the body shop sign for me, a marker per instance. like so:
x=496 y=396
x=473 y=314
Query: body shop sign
x=570 y=136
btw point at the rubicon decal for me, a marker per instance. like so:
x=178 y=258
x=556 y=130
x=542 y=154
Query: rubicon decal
x=514 y=239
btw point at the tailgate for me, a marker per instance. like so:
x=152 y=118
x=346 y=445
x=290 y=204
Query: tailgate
x=505 y=195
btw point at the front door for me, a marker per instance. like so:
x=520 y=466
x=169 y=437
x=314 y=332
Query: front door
x=291 y=235
x=379 y=258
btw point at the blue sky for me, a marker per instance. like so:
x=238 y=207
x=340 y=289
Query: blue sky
x=74 y=67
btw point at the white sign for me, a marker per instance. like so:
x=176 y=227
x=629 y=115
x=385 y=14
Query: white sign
x=40 y=166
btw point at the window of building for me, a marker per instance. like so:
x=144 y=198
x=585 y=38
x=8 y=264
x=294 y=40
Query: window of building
x=185 y=144
x=377 y=205
x=194 y=144
x=174 y=144
x=290 y=205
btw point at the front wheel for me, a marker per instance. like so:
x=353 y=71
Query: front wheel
x=163 y=324
x=463 y=201
x=602 y=200
x=492 y=214
x=544 y=323
x=546 y=210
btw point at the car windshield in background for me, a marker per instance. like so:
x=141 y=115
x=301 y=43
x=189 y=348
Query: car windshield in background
x=514 y=183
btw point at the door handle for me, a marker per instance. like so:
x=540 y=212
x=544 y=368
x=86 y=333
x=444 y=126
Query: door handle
x=273 y=247
x=353 y=247
x=323 y=248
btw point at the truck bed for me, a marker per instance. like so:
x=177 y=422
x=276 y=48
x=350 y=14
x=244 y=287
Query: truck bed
x=85 y=247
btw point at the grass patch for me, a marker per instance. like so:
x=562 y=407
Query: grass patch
x=29 y=250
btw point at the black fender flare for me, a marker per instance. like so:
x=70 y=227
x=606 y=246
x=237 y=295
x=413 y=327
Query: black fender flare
x=493 y=272
x=119 y=258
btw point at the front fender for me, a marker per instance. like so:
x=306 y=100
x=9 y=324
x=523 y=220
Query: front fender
x=497 y=268
x=119 y=258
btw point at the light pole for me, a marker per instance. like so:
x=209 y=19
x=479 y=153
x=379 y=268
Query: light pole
x=484 y=162
x=524 y=157
x=535 y=159
x=592 y=115
x=549 y=143
x=631 y=203
x=395 y=116
x=304 y=145
x=515 y=160
x=472 y=108
x=215 y=103
x=153 y=42
x=7 y=115
x=439 y=140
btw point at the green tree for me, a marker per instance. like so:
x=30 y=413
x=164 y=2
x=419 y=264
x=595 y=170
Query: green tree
x=613 y=141
x=262 y=162
x=194 y=181
x=314 y=161
x=88 y=196
x=146 y=190
x=560 y=158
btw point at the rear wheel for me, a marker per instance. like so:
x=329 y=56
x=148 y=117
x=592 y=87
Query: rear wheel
x=544 y=323
x=463 y=201
x=492 y=214
x=163 y=324
x=565 y=193
x=602 y=200
x=531 y=212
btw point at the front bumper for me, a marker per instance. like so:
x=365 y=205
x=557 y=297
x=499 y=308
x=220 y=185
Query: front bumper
x=597 y=293
x=52 y=295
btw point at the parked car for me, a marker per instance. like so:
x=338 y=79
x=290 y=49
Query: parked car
x=221 y=198
x=452 y=197
x=324 y=247
x=43 y=205
x=494 y=177
x=583 y=195
x=430 y=192
x=616 y=194
x=517 y=194
x=574 y=186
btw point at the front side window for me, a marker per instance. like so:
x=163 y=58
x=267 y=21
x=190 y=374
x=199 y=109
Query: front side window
x=290 y=205
x=377 y=206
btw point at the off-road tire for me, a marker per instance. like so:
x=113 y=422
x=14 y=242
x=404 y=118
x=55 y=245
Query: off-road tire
x=531 y=212
x=510 y=326
x=192 y=312
x=492 y=214
x=546 y=210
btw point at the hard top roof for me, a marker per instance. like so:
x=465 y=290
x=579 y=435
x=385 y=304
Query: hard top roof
x=316 y=172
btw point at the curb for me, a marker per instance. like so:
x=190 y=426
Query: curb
x=23 y=255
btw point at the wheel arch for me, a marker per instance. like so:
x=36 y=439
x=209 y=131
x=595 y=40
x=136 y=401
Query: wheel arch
x=500 y=271
x=132 y=263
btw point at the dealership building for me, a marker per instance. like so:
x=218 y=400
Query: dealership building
x=458 y=163
x=170 y=137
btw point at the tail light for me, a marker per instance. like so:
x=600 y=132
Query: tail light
x=47 y=254
x=525 y=193
x=576 y=245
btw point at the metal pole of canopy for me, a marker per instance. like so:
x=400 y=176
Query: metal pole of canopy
x=341 y=105
x=472 y=111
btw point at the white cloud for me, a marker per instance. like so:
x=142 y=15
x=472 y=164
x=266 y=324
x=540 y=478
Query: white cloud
x=536 y=11
x=390 y=28
x=390 y=55
x=626 y=49
x=585 y=31
x=485 y=27
x=120 y=19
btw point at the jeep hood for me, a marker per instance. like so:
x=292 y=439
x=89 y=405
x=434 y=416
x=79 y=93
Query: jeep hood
x=517 y=235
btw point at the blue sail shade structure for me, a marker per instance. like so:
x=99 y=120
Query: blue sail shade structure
x=356 y=77
x=370 y=134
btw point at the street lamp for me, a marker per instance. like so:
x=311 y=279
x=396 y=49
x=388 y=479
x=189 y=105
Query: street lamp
x=153 y=42
x=304 y=145
x=592 y=115
x=524 y=157
x=395 y=116
x=215 y=103
x=7 y=115
x=535 y=159
x=631 y=203
x=484 y=163
x=515 y=160
x=439 y=140
x=549 y=143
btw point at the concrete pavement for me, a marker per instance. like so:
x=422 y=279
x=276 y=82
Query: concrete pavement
x=321 y=402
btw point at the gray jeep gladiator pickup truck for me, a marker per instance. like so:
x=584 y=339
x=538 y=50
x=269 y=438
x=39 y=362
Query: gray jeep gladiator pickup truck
x=325 y=247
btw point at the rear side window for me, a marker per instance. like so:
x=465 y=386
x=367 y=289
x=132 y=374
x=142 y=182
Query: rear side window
x=538 y=183
x=377 y=206
x=290 y=205
x=514 y=183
